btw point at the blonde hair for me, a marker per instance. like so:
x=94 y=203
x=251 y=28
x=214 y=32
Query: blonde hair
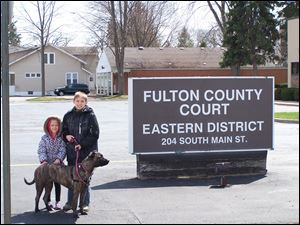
x=80 y=94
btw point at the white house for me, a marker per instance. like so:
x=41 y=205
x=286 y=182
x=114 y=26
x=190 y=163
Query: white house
x=63 y=65
x=104 y=76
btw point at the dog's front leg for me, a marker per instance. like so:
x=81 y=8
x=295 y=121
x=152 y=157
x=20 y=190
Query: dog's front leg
x=82 y=196
x=75 y=201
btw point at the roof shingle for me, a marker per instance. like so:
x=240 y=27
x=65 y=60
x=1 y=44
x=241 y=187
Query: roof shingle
x=172 y=58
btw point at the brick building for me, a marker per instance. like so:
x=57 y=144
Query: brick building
x=171 y=62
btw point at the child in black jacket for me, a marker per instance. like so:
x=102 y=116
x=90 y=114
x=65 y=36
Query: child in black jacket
x=80 y=131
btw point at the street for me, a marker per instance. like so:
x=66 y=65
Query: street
x=117 y=196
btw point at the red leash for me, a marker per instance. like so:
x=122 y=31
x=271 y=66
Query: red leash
x=76 y=163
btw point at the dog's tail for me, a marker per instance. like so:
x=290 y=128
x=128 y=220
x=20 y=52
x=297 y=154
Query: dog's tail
x=29 y=183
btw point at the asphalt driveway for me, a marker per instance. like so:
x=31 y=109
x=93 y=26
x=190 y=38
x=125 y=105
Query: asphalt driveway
x=119 y=197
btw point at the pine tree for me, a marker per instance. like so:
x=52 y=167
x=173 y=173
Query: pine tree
x=203 y=44
x=250 y=34
x=13 y=37
x=236 y=55
x=184 y=39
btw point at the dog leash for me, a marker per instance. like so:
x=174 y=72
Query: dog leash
x=74 y=141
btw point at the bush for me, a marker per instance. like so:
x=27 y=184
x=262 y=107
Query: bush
x=277 y=93
x=283 y=85
x=289 y=94
x=296 y=94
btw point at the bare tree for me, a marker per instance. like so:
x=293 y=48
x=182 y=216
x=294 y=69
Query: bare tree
x=150 y=23
x=219 y=10
x=119 y=18
x=41 y=28
x=220 y=13
x=60 y=39
x=119 y=24
x=141 y=28
x=145 y=22
x=107 y=22
x=211 y=38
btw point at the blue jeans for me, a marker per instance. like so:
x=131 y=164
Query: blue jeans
x=86 y=200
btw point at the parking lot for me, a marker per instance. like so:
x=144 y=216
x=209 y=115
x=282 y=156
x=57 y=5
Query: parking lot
x=117 y=196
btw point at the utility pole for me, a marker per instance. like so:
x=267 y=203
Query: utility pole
x=6 y=12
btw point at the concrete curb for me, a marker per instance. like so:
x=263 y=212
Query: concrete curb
x=286 y=121
x=287 y=103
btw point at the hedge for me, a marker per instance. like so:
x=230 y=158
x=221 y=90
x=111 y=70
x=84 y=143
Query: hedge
x=287 y=94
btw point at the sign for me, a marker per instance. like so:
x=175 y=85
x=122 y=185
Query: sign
x=200 y=114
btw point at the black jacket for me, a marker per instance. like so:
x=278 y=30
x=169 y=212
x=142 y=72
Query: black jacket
x=84 y=127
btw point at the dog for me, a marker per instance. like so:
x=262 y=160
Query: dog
x=46 y=174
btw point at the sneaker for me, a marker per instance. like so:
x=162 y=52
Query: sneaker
x=50 y=205
x=67 y=207
x=85 y=208
x=57 y=206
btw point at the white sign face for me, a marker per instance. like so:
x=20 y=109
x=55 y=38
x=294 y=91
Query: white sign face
x=200 y=114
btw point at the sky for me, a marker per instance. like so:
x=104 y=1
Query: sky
x=68 y=18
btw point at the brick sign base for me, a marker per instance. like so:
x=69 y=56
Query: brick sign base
x=201 y=165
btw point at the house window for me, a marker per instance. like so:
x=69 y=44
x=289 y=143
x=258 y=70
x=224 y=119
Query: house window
x=295 y=68
x=71 y=78
x=45 y=58
x=12 y=79
x=49 y=58
x=32 y=75
x=51 y=55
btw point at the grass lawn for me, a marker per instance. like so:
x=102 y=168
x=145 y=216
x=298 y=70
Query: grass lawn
x=287 y=115
x=58 y=98
x=47 y=99
x=115 y=97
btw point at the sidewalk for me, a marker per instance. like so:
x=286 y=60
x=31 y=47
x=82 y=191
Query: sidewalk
x=287 y=103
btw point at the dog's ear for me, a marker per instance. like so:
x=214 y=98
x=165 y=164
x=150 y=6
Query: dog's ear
x=92 y=154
